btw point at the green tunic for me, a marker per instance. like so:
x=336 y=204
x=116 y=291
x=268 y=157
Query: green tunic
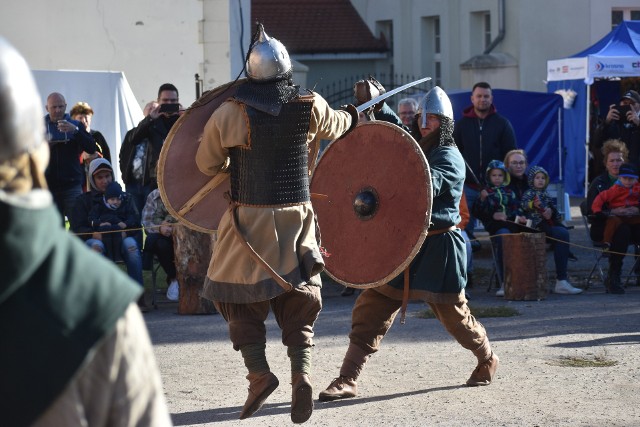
x=57 y=300
x=438 y=273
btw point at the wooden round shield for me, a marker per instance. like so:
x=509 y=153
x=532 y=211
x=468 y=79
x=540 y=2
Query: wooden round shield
x=372 y=197
x=195 y=199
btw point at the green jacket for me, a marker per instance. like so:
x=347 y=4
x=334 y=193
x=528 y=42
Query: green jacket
x=438 y=273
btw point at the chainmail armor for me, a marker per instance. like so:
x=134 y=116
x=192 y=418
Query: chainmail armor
x=273 y=170
x=444 y=134
x=267 y=97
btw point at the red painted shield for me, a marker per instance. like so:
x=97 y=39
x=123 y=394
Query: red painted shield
x=371 y=192
x=195 y=199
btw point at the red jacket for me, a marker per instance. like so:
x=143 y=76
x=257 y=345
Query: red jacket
x=617 y=196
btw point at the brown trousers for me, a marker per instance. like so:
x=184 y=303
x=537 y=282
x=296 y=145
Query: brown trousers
x=295 y=311
x=374 y=313
x=613 y=222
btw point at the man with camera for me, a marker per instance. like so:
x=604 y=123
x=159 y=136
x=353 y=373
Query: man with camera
x=622 y=122
x=141 y=145
x=67 y=140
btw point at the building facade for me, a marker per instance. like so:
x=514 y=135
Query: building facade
x=506 y=43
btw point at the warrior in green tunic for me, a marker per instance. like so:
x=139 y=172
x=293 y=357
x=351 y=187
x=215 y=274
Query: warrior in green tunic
x=437 y=274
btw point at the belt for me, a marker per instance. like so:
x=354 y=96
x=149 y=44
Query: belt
x=440 y=231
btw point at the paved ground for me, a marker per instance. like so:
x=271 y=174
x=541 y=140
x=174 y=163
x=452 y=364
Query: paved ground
x=418 y=377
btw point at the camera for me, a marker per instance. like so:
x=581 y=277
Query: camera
x=169 y=108
x=622 y=112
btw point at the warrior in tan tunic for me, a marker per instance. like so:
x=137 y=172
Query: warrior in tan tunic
x=267 y=253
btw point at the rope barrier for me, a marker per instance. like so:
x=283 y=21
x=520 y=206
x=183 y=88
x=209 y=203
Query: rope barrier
x=558 y=240
x=477 y=239
x=91 y=233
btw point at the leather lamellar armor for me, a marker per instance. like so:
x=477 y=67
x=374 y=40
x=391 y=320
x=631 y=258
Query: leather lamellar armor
x=273 y=169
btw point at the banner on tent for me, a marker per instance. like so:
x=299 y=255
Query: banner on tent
x=620 y=66
x=591 y=67
x=566 y=69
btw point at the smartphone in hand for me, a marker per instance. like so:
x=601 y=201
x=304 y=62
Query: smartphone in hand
x=622 y=112
x=169 y=108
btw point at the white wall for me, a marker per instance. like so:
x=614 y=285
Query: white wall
x=151 y=41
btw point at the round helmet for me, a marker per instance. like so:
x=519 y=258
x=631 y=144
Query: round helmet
x=435 y=102
x=21 y=115
x=268 y=59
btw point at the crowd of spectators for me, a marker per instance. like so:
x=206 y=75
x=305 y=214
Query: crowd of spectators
x=497 y=192
x=80 y=177
x=507 y=195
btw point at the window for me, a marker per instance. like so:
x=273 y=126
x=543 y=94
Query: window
x=487 y=30
x=437 y=65
x=437 y=76
x=616 y=18
x=479 y=31
x=436 y=35
x=431 y=52
x=385 y=29
x=623 y=14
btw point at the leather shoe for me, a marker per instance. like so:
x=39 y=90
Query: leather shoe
x=340 y=388
x=484 y=372
x=260 y=387
x=301 y=398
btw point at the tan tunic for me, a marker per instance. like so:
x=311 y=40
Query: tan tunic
x=283 y=236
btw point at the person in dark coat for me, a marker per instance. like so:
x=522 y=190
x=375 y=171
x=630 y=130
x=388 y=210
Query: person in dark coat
x=68 y=139
x=482 y=135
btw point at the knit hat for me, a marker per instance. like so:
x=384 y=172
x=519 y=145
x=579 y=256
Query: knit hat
x=113 y=190
x=628 y=170
x=632 y=95
x=497 y=164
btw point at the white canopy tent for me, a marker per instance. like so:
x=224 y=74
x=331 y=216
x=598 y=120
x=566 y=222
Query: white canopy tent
x=116 y=109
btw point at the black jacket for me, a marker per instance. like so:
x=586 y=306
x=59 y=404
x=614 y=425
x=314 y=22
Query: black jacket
x=65 y=170
x=80 y=221
x=153 y=132
x=482 y=140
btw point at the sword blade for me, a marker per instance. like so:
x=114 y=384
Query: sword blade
x=385 y=95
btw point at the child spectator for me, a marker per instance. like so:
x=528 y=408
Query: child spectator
x=497 y=207
x=538 y=206
x=115 y=213
x=624 y=193
x=497 y=202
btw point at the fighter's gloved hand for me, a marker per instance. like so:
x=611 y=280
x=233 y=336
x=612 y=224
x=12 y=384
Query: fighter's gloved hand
x=351 y=109
x=366 y=90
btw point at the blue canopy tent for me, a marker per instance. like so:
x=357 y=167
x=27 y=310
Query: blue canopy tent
x=536 y=119
x=617 y=55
